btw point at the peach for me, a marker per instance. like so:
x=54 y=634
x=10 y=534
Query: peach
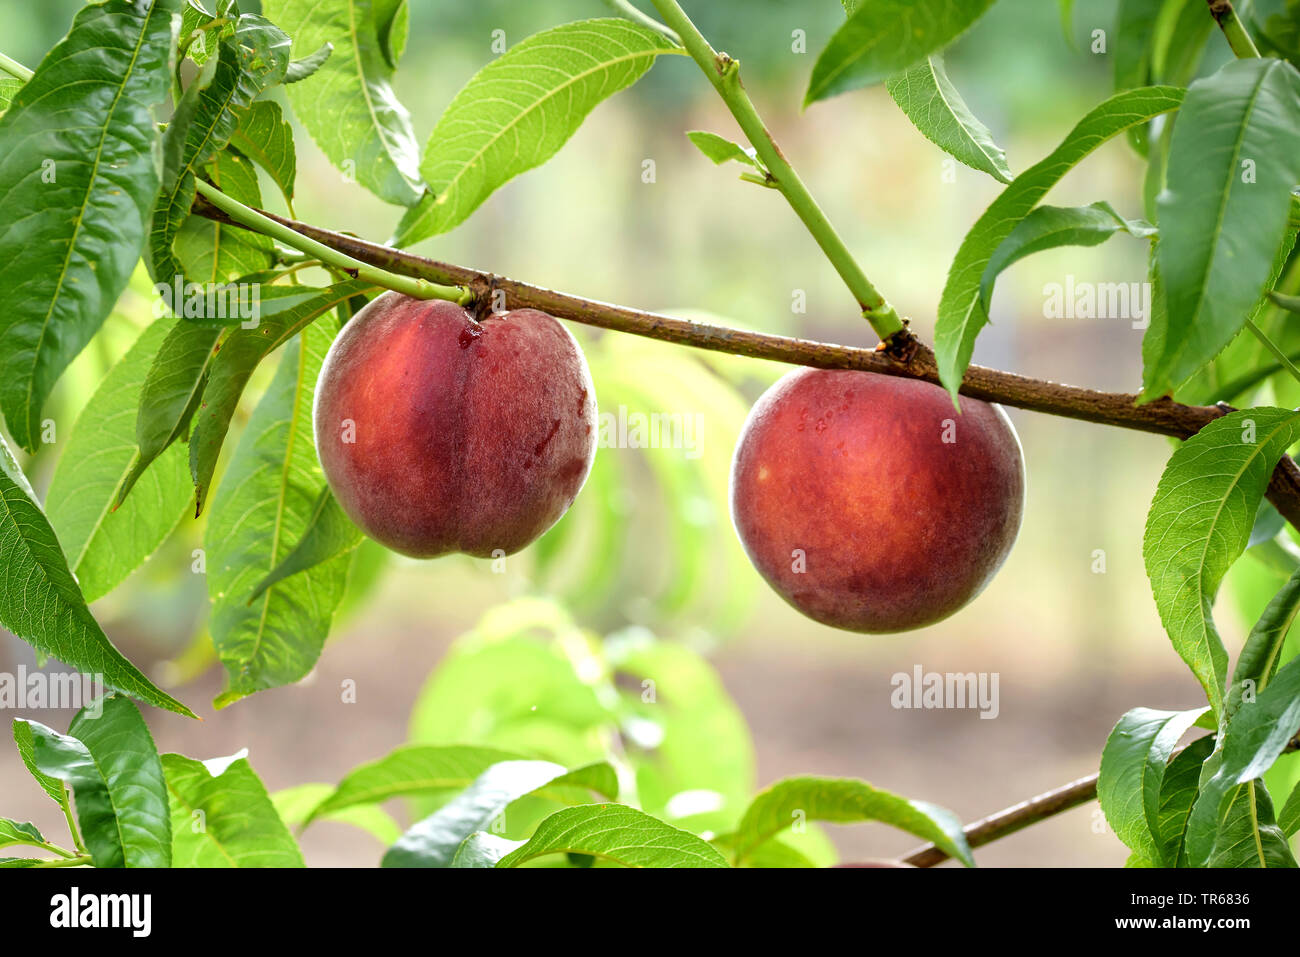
x=869 y=504
x=438 y=433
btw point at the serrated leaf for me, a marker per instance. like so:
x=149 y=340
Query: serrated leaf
x=1249 y=835
x=1135 y=25
x=1234 y=157
x=516 y=113
x=1260 y=730
x=1178 y=793
x=265 y=137
x=1262 y=651
x=170 y=394
x=301 y=69
x=616 y=834
x=224 y=819
x=41 y=603
x=27 y=751
x=15 y=833
x=239 y=353
x=1199 y=523
x=104 y=544
x=1051 y=227
x=252 y=59
x=260 y=510
x=844 y=800
x=109 y=761
x=1133 y=766
x=929 y=99
x=329 y=534
x=434 y=841
x=296 y=803
x=77 y=179
x=720 y=149
x=348 y=105
x=960 y=316
x=881 y=37
x=1288 y=819
x=409 y=770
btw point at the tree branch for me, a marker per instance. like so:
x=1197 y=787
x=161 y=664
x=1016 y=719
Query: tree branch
x=1018 y=816
x=1162 y=417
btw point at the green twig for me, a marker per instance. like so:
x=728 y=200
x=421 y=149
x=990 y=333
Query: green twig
x=724 y=73
x=1283 y=359
x=626 y=8
x=78 y=861
x=72 y=825
x=407 y=285
x=15 y=69
x=1243 y=47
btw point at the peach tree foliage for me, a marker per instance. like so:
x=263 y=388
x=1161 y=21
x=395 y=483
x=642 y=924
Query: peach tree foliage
x=146 y=105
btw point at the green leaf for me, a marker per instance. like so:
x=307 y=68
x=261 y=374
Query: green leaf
x=295 y=804
x=254 y=58
x=13 y=833
x=109 y=761
x=409 y=770
x=170 y=394
x=348 y=104
x=9 y=87
x=41 y=603
x=1233 y=160
x=881 y=37
x=261 y=508
x=392 y=21
x=434 y=841
x=1288 y=818
x=483 y=850
x=265 y=137
x=1133 y=767
x=934 y=106
x=221 y=816
x=1178 y=792
x=301 y=69
x=516 y=113
x=104 y=544
x=329 y=534
x=1050 y=227
x=961 y=316
x=1289 y=303
x=1199 y=523
x=240 y=352
x=844 y=800
x=617 y=834
x=1249 y=835
x=1261 y=728
x=1263 y=649
x=27 y=751
x=77 y=178
x=720 y=149
x=1135 y=24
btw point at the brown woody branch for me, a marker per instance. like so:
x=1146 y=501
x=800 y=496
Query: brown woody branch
x=1162 y=417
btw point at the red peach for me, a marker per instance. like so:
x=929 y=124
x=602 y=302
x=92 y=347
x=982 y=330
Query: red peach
x=869 y=504
x=441 y=434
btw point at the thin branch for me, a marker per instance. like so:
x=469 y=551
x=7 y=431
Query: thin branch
x=418 y=288
x=724 y=74
x=1243 y=47
x=1013 y=819
x=1019 y=816
x=1162 y=417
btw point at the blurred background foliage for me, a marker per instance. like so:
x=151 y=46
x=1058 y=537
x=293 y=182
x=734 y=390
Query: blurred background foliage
x=629 y=212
